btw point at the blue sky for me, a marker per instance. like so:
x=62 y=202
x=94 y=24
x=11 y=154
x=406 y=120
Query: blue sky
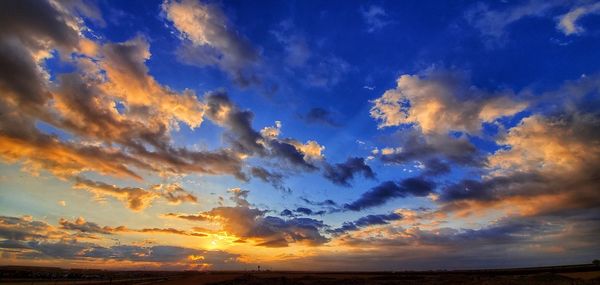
x=462 y=133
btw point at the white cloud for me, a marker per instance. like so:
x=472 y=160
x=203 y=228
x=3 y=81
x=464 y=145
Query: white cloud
x=567 y=23
x=440 y=103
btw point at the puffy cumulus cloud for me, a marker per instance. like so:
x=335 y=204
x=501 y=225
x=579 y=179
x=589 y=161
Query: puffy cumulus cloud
x=109 y=139
x=550 y=165
x=441 y=102
x=248 y=223
x=379 y=195
x=547 y=163
x=366 y=221
x=271 y=132
x=311 y=150
x=117 y=119
x=269 y=231
x=550 y=144
x=210 y=40
x=246 y=140
x=343 y=173
x=136 y=198
x=29 y=30
x=128 y=80
x=567 y=23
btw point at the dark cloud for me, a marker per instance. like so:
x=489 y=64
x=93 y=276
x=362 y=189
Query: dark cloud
x=191 y=217
x=416 y=147
x=291 y=154
x=327 y=202
x=83 y=103
x=239 y=197
x=242 y=136
x=274 y=178
x=252 y=223
x=434 y=167
x=18 y=229
x=320 y=116
x=245 y=139
x=381 y=219
x=379 y=195
x=84 y=226
x=342 y=173
x=305 y=211
x=286 y=213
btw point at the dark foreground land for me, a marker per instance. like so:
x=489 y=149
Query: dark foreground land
x=574 y=274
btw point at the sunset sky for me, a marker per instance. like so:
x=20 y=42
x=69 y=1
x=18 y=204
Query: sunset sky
x=302 y=135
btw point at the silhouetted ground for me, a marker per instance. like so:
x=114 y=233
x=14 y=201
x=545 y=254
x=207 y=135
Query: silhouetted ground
x=569 y=275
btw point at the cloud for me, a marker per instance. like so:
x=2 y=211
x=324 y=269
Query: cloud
x=175 y=194
x=550 y=165
x=568 y=22
x=140 y=256
x=25 y=228
x=274 y=178
x=375 y=17
x=210 y=40
x=327 y=202
x=245 y=139
x=434 y=167
x=441 y=102
x=320 y=116
x=388 y=190
x=431 y=150
x=239 y=197
x=245 y=223
x=342 y=173
x=135 y=198
x=83 y=104
x=286 y=213
x=80 y=224
x=315 y=69
x=492 y=24
x=366 y=221
x=305 y=211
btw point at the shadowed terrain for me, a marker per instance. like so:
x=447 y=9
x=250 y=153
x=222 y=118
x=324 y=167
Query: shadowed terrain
x=574 y=274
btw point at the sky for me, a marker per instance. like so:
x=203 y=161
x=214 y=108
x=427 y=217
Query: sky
x=299 y=135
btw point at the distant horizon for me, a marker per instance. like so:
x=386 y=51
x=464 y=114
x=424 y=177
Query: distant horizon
x=307 y=135
x=317 y=271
